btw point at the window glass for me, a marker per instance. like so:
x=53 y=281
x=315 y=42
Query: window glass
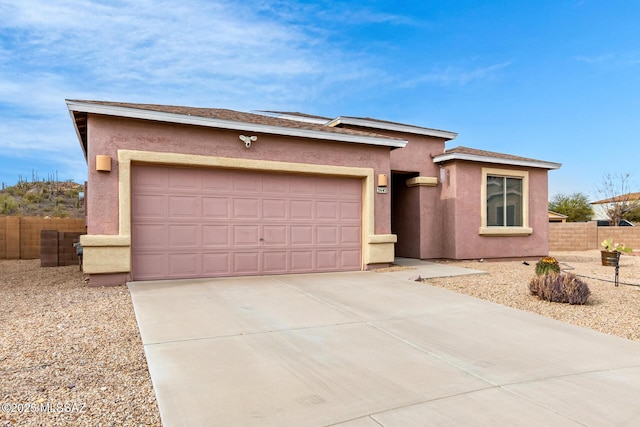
x=504 y=201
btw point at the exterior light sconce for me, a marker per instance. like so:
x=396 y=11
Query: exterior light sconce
x=248 y=140
x=383 y=182
x=103 y=163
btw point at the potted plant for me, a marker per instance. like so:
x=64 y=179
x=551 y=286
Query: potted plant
x=611 y=252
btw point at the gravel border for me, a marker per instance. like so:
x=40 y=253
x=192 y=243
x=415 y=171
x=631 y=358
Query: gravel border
x=609 y=309
x=70 y=354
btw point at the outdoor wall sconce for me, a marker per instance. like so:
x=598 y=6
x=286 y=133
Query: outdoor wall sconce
x=248 y=140
x=383 y=181
x=103 y=163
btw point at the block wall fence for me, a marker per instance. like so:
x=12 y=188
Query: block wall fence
x=20 y=236
x=582 y=236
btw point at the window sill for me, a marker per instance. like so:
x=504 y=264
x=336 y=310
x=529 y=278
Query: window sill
x=505 y=231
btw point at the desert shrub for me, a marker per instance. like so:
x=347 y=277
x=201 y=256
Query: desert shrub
x=8 y=204
x=547 y=265
x=60 y=212
x=560 y=287
x=16 y=191
x=32 y=198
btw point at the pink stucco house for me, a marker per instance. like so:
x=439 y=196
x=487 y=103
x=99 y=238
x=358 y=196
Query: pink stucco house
x=180 y=192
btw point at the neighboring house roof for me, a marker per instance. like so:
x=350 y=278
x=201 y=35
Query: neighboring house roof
x=617 y=199
x=557 y=217
x=310 y=118
x=393 y=126
x=483 y=156
x=223 y=119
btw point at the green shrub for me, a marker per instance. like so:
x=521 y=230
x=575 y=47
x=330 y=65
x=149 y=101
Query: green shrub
x=32 y=198
x=8 y=204
x=560 y=287
x=547 y=265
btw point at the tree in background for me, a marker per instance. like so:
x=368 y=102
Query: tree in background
x=575 y=206
x=620 y=199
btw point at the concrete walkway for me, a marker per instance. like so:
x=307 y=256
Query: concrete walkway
x=366 y=349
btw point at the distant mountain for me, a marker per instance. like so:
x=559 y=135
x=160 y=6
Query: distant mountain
x=43 y=198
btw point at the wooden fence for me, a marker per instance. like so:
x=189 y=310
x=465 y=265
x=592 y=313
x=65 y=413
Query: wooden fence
x=20 y=236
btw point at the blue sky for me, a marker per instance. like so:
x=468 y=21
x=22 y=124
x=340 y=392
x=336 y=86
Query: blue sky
x=555 y=80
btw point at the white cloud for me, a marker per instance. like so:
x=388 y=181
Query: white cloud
x=453 y=75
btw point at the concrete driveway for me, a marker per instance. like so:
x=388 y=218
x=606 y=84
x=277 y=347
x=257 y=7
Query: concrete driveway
x=364 y=349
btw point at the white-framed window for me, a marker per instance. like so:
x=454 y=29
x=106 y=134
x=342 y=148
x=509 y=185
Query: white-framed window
x=505 y=202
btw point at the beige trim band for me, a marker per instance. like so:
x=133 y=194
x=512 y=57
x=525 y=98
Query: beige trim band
x=422 y=181
x=112 y=254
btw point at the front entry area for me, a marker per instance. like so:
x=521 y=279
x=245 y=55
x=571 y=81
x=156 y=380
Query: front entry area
x=197 y=222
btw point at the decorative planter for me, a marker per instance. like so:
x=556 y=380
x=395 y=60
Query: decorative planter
x=610 y=258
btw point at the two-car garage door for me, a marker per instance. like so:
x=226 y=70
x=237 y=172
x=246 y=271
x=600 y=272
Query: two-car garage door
x=193 y=222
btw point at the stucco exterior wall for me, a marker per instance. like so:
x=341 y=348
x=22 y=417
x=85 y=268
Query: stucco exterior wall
x=462 y=216
x=417 y=155
x=107 y=135
x=130 y=141
x=417 y=211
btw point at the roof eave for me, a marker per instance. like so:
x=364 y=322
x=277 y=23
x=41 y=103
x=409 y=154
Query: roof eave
x=136 y=113
x=82 y=135
x=496 y=160
x=392 y=127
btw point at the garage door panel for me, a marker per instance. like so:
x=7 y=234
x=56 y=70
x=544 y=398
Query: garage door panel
x=246 y=263
x=274 y=184
x=350 y=189
x=350 y=235
x=150 y=266
x=189 y=222
x=246 y=209
x=301 y=261
x=274 y=209
x=215 y=208
x=184 y=207
x=327 y=235
x=185 y=235
x=150 y=177
x=216 y=180
x=274 y=235
x=247 y=235
x=151 y=236
x=327 y=210
x=350 y=259
x=216 y=264
x=216 y=235
x=350 y=211
x=301 y=210
x=247 y=183
x=183 y=179
x=184 y=265
x=301 y=235
x=329 y=188
x=302 y=185
x=327 y=260
x=149 y=206
x=274 y=262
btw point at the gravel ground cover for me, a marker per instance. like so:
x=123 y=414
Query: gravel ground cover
x=70 y=355
x=609 y=309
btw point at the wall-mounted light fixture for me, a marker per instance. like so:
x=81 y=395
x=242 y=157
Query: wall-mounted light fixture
x=248 y=140
x=103 y=163
x=383 y=182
